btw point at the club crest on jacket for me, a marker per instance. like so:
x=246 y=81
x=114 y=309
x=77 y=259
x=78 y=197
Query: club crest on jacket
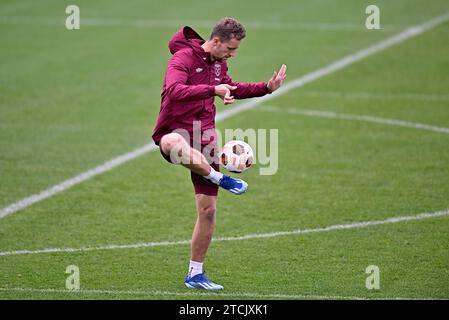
x=217 y=70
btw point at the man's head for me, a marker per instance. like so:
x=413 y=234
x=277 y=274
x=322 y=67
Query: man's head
x=225 y=38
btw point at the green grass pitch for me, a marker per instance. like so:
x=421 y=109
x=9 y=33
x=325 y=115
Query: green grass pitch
x=71 y=100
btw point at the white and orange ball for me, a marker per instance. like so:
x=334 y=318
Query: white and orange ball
x=236 y=156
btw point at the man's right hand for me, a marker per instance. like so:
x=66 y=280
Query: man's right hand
x=224 y=92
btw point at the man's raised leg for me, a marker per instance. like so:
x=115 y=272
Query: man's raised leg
x=174 y=145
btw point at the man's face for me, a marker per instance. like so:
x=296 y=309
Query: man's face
x=223 y=50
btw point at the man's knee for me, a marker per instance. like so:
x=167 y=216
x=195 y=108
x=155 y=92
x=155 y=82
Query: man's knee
x=207 y=213
x=170 y=141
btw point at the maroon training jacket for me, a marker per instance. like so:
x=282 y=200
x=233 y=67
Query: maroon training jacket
x=189 y=86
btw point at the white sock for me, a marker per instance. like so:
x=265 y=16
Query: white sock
x=195 y=268
x=214 y=176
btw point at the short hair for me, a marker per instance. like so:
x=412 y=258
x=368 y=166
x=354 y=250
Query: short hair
x=227 y=29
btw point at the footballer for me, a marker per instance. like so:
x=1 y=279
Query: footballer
x=196 y=73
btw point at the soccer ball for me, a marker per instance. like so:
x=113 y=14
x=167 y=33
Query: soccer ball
x=236 y=156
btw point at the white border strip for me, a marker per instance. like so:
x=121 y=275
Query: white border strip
x=355 y=225
x=207 y=294
x=287 y=87
x=351 y=117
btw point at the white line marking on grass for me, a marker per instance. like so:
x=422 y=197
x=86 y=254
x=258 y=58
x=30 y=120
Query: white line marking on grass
x=337 y=65
x=176 y=23
x=351 y=117
x=199 y=293
x=109 y=165
x=355 y=225
x=287 y=87
x=379 y=95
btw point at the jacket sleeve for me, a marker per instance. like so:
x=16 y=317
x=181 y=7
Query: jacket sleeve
x=176 y=79
x=246 y=90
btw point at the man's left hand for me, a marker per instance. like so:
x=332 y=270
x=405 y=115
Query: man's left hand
x=277 y=79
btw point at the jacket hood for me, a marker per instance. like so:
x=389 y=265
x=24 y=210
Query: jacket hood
x=186 y=37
